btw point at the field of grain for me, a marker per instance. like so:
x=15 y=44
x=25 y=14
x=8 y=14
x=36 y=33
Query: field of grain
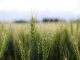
x=40 y=41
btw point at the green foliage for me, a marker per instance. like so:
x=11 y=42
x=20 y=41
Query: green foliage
x=63 y=44
x=56 y=51
x=36 y=46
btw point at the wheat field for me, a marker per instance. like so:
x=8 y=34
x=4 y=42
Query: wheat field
x=40 y=41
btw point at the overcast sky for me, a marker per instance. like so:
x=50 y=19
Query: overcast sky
x=23 y=9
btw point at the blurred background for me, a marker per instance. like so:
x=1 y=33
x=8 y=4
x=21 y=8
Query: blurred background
x=41 y=10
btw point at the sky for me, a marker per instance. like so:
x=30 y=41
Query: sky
x=11 y=10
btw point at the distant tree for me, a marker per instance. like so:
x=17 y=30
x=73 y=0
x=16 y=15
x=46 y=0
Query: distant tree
x=50 y=20
x=45 y=20
x=56 y=20
x=20 y=21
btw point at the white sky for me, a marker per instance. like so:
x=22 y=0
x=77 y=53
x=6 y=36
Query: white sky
x=71 y=6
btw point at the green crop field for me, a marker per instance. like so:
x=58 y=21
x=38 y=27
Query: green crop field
x=40 y=41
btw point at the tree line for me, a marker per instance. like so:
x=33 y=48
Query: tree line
x=44 y=20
